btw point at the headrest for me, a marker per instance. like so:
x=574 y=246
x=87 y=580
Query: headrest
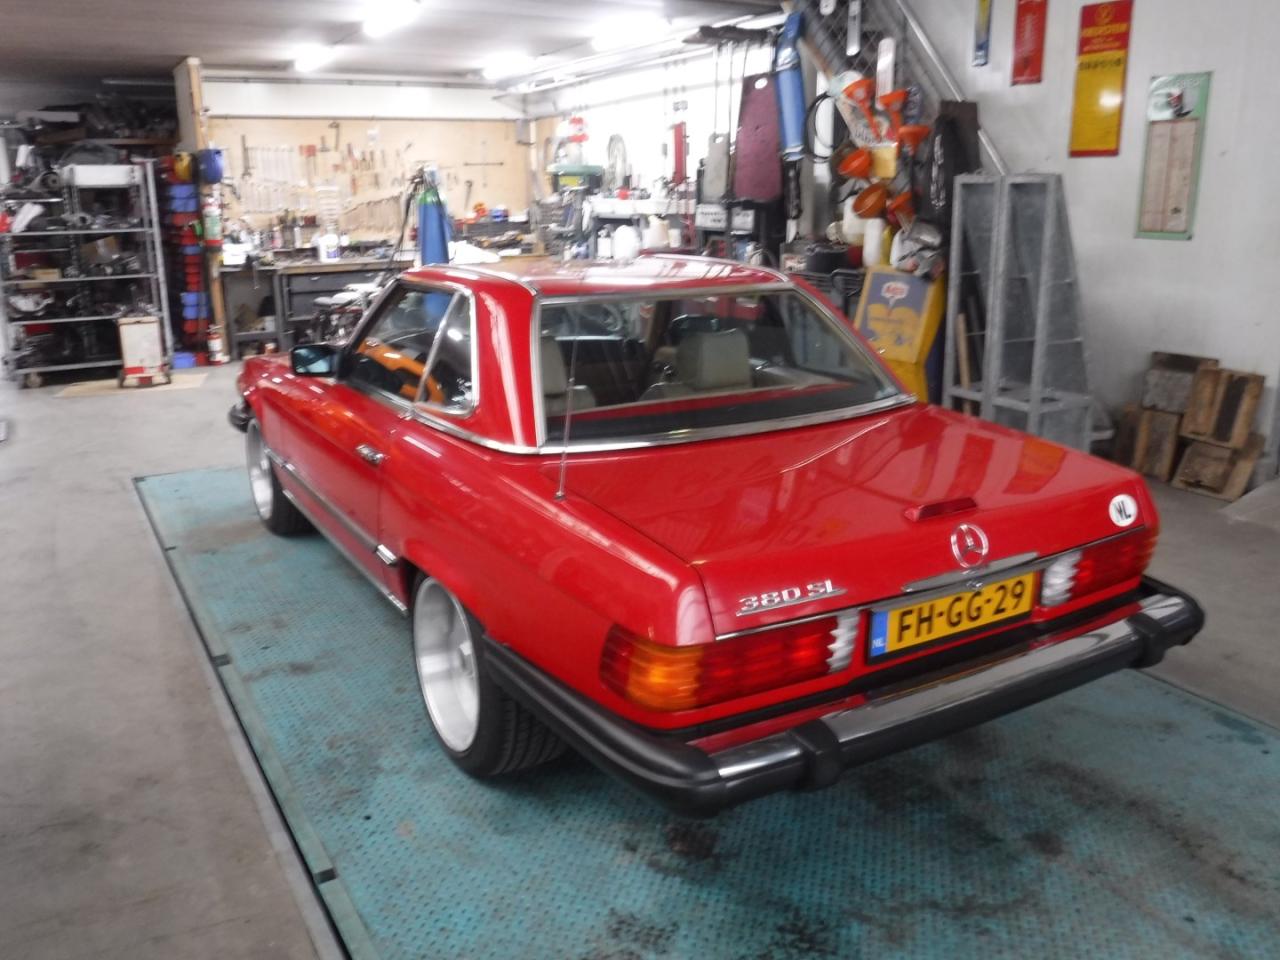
x=714 y=361
x=555 y=382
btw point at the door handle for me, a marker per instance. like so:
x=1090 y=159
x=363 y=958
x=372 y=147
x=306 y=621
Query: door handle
x=369 y=455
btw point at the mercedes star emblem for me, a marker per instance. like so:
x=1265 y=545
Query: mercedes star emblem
x=969 y=545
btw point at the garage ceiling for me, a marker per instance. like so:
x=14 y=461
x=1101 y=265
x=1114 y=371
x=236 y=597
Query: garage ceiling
x=70 y=40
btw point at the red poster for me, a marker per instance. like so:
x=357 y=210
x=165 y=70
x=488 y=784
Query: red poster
x=1028 y=41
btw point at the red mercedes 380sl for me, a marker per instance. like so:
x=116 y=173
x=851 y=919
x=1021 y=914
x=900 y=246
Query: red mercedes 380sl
x=677 y=515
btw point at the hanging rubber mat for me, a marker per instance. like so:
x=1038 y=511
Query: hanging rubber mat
x=757 y=168
x=1125 y=819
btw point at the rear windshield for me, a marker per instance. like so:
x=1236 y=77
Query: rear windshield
x=637 y=367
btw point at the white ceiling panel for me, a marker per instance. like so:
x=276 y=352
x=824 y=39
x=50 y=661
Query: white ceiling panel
x=87 y=39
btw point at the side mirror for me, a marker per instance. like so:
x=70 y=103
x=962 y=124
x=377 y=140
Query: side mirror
x=314 y=359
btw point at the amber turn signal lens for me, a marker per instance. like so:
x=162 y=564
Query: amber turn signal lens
x=666 y=678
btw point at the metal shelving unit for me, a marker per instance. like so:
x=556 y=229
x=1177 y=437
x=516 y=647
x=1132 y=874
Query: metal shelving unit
x=146 y=286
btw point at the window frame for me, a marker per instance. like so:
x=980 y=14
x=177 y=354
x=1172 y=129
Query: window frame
x=389 y=299
x=901 y=398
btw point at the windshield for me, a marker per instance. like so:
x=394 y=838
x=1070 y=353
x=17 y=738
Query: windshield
x=658 y=365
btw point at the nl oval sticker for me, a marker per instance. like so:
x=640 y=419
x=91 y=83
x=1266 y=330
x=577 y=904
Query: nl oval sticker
x=1124 y=510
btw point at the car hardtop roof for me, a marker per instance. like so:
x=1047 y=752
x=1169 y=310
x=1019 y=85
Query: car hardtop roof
x=653 y=273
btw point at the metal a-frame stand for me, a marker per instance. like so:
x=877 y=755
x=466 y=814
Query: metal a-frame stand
x=1015 y=350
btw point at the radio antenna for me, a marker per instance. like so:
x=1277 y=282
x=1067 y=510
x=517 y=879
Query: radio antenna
x=568 y=416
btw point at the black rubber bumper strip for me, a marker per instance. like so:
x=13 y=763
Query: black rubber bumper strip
x=814 y=754
x=239 y=416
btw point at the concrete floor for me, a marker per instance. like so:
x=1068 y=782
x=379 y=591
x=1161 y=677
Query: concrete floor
x=1233 y=568
x=128 y=827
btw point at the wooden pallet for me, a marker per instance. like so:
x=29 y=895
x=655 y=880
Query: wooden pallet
x=1155 y=444
x=1222 y=406
x=1168 y=381
x=1219 y=471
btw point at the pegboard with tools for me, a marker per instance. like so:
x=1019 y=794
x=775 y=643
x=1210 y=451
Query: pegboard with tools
x=276 y=166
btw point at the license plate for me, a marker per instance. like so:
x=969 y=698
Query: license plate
x=919 y=623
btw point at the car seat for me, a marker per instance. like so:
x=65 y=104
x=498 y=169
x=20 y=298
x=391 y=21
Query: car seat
x=555 y=382
x=707 y=362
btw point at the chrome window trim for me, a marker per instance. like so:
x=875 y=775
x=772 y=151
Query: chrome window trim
x=535 y=364
x=375 y=312
x=473 y=405
x=735 y=429
x=654 y=440
x=705 y=433
x=431 y=416
x=673 y=293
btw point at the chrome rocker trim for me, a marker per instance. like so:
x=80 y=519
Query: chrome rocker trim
x=382 y=552
x=817 y=752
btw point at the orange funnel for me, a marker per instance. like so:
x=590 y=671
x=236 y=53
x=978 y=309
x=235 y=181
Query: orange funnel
x=892 y=103
x=862 y=92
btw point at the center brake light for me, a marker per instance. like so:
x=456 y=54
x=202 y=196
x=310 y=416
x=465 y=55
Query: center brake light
x=1091 y=569
x=661 y=677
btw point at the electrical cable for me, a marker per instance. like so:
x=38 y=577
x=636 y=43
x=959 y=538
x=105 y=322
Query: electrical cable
x=811 y=131
x=410 y=192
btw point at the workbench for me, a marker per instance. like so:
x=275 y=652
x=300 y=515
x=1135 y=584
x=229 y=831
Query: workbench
x=295 y=287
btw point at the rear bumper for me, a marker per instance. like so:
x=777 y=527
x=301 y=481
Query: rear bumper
x=816 y=753
x=239 y=416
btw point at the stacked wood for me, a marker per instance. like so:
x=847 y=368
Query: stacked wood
x=1219 y=471
x=1224 y=405
x=1198 y=416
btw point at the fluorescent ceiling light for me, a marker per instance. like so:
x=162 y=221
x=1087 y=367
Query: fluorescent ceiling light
x=507 y=65
x=314 y=57
x=630 y=31
x=385 y=16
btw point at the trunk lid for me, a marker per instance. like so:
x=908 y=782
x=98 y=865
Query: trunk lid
x=792 y=510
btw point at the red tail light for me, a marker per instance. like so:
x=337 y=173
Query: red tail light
x=666 y=678
x=1092 y=569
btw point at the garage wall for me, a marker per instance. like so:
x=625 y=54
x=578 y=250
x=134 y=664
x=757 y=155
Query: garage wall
x=230 y=97
x=462 y=131
x=1216 y=294
x=483 y=151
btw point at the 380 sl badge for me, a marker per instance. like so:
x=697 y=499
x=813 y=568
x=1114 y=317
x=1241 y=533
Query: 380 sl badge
x=787 y=597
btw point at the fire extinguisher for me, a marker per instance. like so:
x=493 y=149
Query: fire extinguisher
x=211 y=215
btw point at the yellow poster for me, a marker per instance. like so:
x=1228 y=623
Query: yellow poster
x=1101 y=62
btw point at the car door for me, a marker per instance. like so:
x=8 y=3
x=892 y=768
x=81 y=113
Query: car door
x=340 y=443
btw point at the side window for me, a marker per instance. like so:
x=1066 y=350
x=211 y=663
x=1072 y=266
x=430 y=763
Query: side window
x=395 y=351
x=813 y=345
x=449 y=380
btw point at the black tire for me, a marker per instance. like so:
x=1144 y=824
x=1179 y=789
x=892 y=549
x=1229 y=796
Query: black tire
x=275 y=509
x=507 y=737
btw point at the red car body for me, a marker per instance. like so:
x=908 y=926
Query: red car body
x=667 y=544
